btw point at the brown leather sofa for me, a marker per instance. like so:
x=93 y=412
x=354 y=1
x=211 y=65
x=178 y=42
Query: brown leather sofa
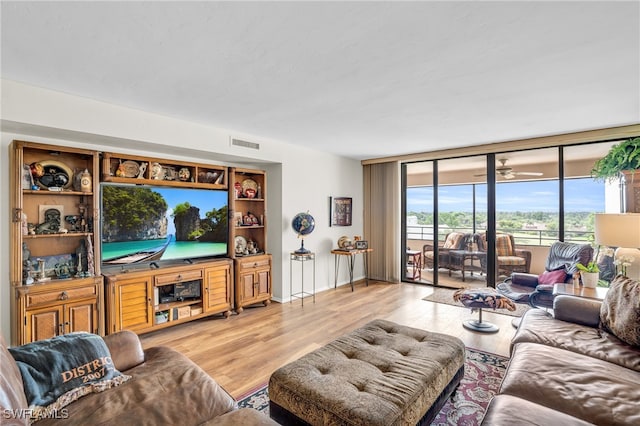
x=564 y=370
x=166 y=389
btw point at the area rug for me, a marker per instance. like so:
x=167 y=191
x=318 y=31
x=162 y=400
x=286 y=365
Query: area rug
x=483 y=373
x=445 y=295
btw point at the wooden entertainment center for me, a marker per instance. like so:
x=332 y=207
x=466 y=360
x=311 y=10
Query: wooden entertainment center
x=58 y=284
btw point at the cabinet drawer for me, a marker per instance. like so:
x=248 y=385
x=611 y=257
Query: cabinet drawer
x=176 y=277
x=61 y=295
x=259 y=262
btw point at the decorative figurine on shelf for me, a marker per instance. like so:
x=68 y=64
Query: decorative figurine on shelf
x=156 y=171
x=51 y=224
x=27 y=266
x=42 y=272
x=143 y=168
x=90 y=262
x=73 y=220
x=37 y=170
x=252 y=248
x=85 y=181
x=24 y=224
x=62 y=271
x=250 y=219
x=184 y=174
x=120 y=172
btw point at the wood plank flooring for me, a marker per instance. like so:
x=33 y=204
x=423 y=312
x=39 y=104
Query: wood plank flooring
x=242 y=351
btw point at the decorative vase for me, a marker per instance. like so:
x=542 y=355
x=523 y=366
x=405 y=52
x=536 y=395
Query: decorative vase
x=590 y=279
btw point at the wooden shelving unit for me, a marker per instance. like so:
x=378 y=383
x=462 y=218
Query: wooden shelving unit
x=248 y=223
x=56 y=285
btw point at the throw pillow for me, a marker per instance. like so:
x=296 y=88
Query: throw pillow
x=453 y=240
x=620 y=311
x=60 y=370
x=552 y=277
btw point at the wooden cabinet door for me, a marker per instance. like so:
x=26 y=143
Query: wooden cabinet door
x=248 y=288
x=217 y=297
x=81 y=316
x=263 y=279
x=134 y=304
x=44 y=323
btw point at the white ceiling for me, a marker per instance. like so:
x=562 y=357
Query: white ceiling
x=359 y=79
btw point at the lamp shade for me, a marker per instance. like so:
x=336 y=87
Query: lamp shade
x=618 y=229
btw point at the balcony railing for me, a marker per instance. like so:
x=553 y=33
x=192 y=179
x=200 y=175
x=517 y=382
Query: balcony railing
x=528 y=237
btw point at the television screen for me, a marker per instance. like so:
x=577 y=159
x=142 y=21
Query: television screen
x=151 y=223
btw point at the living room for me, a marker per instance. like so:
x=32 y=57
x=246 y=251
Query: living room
x=593 y=97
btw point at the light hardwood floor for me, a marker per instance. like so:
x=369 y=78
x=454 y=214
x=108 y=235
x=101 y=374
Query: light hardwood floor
x=242 y=351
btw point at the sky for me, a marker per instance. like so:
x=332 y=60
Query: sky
x=580 y=195
x=205 y=199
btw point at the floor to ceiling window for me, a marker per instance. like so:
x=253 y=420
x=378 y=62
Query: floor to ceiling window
x=540 y=196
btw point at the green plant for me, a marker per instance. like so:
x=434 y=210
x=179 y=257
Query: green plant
x=622 y=156
x=591 y=267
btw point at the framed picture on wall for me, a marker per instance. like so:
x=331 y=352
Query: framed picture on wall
x=341 y=210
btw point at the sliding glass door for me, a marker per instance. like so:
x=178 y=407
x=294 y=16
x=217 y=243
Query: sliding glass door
x=513 y=204
x=446 y=204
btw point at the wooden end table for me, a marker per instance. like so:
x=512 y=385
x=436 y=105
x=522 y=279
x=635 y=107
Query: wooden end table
x=351 y=254
x=597 y=293
x=414 y=264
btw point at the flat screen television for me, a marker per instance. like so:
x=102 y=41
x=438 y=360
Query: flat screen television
x=144 y=223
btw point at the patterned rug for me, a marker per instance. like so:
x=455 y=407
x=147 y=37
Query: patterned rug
x=483 y=373
x=445 y=295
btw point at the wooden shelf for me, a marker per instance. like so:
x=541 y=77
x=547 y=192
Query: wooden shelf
x=49 y=193
x=171 y=305
x=58 y=235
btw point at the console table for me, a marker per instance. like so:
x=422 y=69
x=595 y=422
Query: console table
x=302 y=258
x=351 y=254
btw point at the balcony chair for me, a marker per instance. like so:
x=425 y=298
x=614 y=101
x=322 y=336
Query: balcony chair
x=452 y=241
x=510 y=259
x=537 y=290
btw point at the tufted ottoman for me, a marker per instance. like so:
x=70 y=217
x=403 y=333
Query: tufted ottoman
x=380 y=374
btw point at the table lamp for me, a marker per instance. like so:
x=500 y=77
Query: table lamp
x=621 y=230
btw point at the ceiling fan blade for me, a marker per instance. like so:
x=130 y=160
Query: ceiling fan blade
x=528 y=173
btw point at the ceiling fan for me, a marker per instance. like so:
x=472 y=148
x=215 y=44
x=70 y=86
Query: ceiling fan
x=507 y=172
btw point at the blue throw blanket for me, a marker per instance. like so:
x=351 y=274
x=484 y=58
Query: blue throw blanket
x=58 y=371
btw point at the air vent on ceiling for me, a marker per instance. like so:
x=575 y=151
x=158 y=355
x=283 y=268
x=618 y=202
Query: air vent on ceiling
x=245 y=144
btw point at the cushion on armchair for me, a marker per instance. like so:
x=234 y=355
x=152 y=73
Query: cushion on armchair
x=620 y=310
x=553 y=277
x=454 y=240
x=503 y=246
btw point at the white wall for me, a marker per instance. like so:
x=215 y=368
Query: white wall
x=299 y=179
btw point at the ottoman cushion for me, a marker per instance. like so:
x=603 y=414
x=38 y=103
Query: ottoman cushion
x=380 y=374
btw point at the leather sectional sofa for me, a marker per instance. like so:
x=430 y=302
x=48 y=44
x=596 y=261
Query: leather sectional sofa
x=166 y=388
x=565 y=369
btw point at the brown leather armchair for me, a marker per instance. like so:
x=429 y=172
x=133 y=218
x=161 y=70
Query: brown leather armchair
x=525 y=288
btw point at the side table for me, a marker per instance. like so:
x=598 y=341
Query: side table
x=597 y=293
x=302 y=258
x=351 y=254
x=414 y=264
